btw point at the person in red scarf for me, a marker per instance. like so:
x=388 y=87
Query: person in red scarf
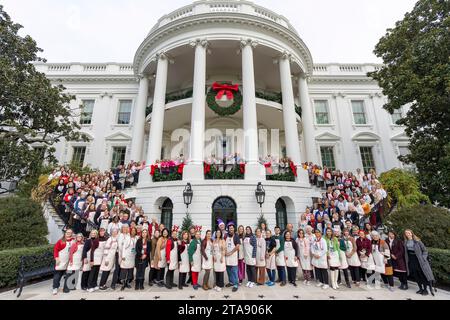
x=172 y=257
x=61 y=253
x=364 y=250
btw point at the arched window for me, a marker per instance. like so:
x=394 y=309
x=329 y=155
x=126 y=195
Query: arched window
x=223 y=208
x=281 y=214
x=167 y=214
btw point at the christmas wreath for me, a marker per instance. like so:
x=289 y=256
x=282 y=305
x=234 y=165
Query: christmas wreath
x=233 y=95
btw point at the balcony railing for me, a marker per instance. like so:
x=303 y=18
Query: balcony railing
x=280 y=172
x=224 y=171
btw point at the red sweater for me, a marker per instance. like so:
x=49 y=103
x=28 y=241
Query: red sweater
x=169 y=247
x=60 y=245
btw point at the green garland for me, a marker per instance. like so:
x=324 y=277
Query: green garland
x=224 y=111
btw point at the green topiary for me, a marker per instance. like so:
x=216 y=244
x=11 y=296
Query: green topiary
x=440 y=263
x=261 y=220
x=431 y=224
x=22 y=223
x=187 y=223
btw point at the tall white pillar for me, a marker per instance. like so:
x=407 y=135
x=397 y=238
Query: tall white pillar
x=137 y=144
x=307 y=121
x=254 y=170
x=290 y=117
x=194 y=168
x=159 y=104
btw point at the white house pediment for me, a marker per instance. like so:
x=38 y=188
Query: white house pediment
x=328 y=136
x=366 y=136
x=118 y=136
x=400 y=137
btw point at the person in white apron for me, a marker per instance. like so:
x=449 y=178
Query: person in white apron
x=260 y=257
x=291 y=253
x=61 y=253
x=319 y=251
x=304 y=255
x=184 y=265
x=380 y=254
x=333 y=257
x=219 y=250
x=364 y=251
x=127 y=256
x=231 y=257
x=207 y=261
x=109 y=257
x=160 y=261
x=342 y=258
x=96 y=260
x=195 y=258
x=143 y=249
x=352 y=257
x=271 y=266
x=250 y=247
x=75 y=260
x=241 y=255
x=87 y=257
x=172 y=257
x=280 y=260
x=153 y=273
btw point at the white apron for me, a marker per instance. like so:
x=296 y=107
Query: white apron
x=184 y=263
x=378 y=258
x=219 y=266
x=63 y=257
x=128 y=253
x=289 y=252
x=260 y=252
x=77 y=262
x=109 y=255
x=98 y=253
x=343 y=260
x=279 y=257
x=162 y=263
x=173 y=265
x=197 y=260
x=208 y=264
x=319 y=248
x=354 y=259
x=305 y=262
x=241 y=255
x=233 y=259
x=334 y=260
x=248 y=252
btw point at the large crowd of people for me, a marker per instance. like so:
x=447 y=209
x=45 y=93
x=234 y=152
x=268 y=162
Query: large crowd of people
x=335 y=243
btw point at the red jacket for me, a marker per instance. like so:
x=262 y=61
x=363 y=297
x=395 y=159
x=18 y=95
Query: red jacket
x=169 y=247
x=60 y=245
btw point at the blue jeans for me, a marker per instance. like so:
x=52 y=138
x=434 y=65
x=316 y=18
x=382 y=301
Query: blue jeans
x=281 y=273
x=271 y=274
x=232 y=272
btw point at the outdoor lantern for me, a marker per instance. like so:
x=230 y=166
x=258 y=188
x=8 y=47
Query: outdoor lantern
x=260 y=194
x=187 y=195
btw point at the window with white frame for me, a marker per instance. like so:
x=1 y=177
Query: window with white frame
x=87 y=109
x=359 y=112
x=327 y=154
x=79 y=153
x=124 y=116
x=367 y=159
x=118 y=156
x=397 y=115
x=322 y=114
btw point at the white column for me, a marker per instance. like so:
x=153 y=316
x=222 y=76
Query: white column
x=194 y=169
x=137 y=144
x=254 y=170
x=307 y=121
x=159 y=104
x=290 y=116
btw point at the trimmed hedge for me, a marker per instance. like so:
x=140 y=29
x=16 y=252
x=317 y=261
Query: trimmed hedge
x=10 y=263
x=440 y=263
x=22 y=223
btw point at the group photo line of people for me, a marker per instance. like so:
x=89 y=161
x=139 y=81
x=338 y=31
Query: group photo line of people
x=109 y=236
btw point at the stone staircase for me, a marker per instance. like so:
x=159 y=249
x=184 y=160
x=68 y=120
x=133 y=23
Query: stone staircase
x=55 y=224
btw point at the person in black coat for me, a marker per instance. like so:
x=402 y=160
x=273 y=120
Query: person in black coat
x=143 y=251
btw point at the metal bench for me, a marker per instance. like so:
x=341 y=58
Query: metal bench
x=32 y=267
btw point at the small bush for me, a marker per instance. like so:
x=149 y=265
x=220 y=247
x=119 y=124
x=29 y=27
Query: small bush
x=22 y=224
x=429 y=223
x=440 y=263
x=10 y=263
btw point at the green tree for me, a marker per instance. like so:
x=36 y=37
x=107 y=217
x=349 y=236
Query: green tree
x=33 y=112
x=430 y=223
x=187 y=222
x=261 y=220
x=402 y=188
x=416 y=72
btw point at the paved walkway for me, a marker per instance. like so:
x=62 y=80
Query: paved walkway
x=42 y=291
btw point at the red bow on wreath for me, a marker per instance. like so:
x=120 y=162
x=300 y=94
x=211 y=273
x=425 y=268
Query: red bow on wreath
x=206 y=168
x=152 y=169
x=293 y=168
x=242 y=168
x=227 y=89
x=181 y=168
x=268 y=167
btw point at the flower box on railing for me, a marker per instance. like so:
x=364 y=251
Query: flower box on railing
x=285 y=172
x=224 y=171
x=167 y=173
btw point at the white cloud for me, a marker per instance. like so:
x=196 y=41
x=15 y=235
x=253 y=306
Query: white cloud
x=112 y=30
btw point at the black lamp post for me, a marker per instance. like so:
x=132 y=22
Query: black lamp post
x=260 y=194
x=187 y=195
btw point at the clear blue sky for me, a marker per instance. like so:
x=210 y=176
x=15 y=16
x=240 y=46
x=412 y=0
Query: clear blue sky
x=111 y=30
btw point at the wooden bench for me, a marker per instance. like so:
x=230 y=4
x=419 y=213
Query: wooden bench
x=32 y=267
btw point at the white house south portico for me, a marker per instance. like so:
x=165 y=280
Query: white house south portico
x=290 y=108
